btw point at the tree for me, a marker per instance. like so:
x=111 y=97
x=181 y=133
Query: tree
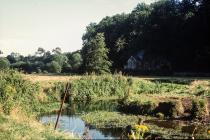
x=57 y=50
x=76 y=61
x=40 y=51
x=60 y=58
x=54 y=67
x=14 y=57
x=95 y=55
x=4 y=63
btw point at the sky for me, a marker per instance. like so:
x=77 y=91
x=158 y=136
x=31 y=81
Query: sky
x=26 y=25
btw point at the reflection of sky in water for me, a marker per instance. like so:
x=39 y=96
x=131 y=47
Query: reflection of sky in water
x=74 y=124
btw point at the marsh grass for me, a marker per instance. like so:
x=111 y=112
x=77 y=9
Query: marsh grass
x=106 y=120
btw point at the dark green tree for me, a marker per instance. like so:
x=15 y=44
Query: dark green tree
x=4 y=63
x=54 y=67
x=95 y=55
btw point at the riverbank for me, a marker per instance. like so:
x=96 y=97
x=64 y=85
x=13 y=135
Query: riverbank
x=159 y=101
x=158 y=128
x=21 y=102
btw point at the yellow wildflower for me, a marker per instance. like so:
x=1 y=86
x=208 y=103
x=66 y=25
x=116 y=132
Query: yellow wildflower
x=141 y=128
x=208 y=131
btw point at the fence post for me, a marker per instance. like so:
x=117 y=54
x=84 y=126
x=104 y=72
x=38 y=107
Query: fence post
x=67 y=88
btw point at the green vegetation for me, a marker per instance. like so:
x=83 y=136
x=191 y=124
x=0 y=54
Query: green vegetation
x=95 y=55
x=4 y=63
x=107 y=120
x=200 y=109
x=143 y=97
x=25 y=128
x=90 y=87
x=151 y=98
x=170 y=33
x=104 y=119
x=21 y=102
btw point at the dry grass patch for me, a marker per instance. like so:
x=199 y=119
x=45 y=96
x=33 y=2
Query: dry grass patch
x=49 y=78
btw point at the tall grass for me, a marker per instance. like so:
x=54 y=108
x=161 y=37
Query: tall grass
x=90 y=87
x=20 y=102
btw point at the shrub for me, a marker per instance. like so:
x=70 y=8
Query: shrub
x=136 y=106
x=160 y=115
x=171 y=108
x=4 y=63
x=199 y=109
x=14 y=90
x=177 y=109
x=54 y=67
x=89 y=87
x=157 y=87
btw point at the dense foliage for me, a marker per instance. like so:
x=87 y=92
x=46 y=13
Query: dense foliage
x=90 y=87
x=20 y=102
x=173 y=35
x=44 y=62
x=15 y=91
x=95 y=55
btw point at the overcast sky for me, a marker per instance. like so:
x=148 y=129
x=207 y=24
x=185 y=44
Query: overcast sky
x=26 y=25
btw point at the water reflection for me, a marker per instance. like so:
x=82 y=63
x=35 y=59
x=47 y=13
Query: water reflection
x=71 y=122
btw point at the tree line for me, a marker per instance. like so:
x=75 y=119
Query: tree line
x=173 y=34
x=44 y=61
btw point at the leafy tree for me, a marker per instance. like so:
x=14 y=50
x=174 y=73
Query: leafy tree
x=76 y=61
x=54 y=67
x=173 y=31
x=14 y=57
x=4 y=63
x=95 y=55
x=57 y=50
x=40 y=51
x=60 y=58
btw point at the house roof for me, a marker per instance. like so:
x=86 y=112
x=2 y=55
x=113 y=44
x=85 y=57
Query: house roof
x=139 y=55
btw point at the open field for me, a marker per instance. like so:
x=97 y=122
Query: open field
x=49 y=78
x=64 y=78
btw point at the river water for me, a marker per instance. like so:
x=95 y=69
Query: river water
x=70 y=121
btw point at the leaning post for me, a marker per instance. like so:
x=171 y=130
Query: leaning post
x=67 y=88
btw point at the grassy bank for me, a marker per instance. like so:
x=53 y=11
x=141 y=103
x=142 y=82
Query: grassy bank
x=21 y=101
x=107 y=120
x=167 y=97
x=154 y=97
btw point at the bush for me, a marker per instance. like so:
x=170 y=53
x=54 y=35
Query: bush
x=160 y=115
x=54 y=67
x=171 y=108
x=177 y=109
x=14 y=90
x=4 y=63
x=89 y=87
x=199 y=109
x=157 y=87
x=137 y=106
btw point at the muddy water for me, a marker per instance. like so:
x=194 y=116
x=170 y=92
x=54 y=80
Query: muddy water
x=70 y=121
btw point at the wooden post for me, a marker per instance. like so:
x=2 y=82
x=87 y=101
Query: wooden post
x=60 y=110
